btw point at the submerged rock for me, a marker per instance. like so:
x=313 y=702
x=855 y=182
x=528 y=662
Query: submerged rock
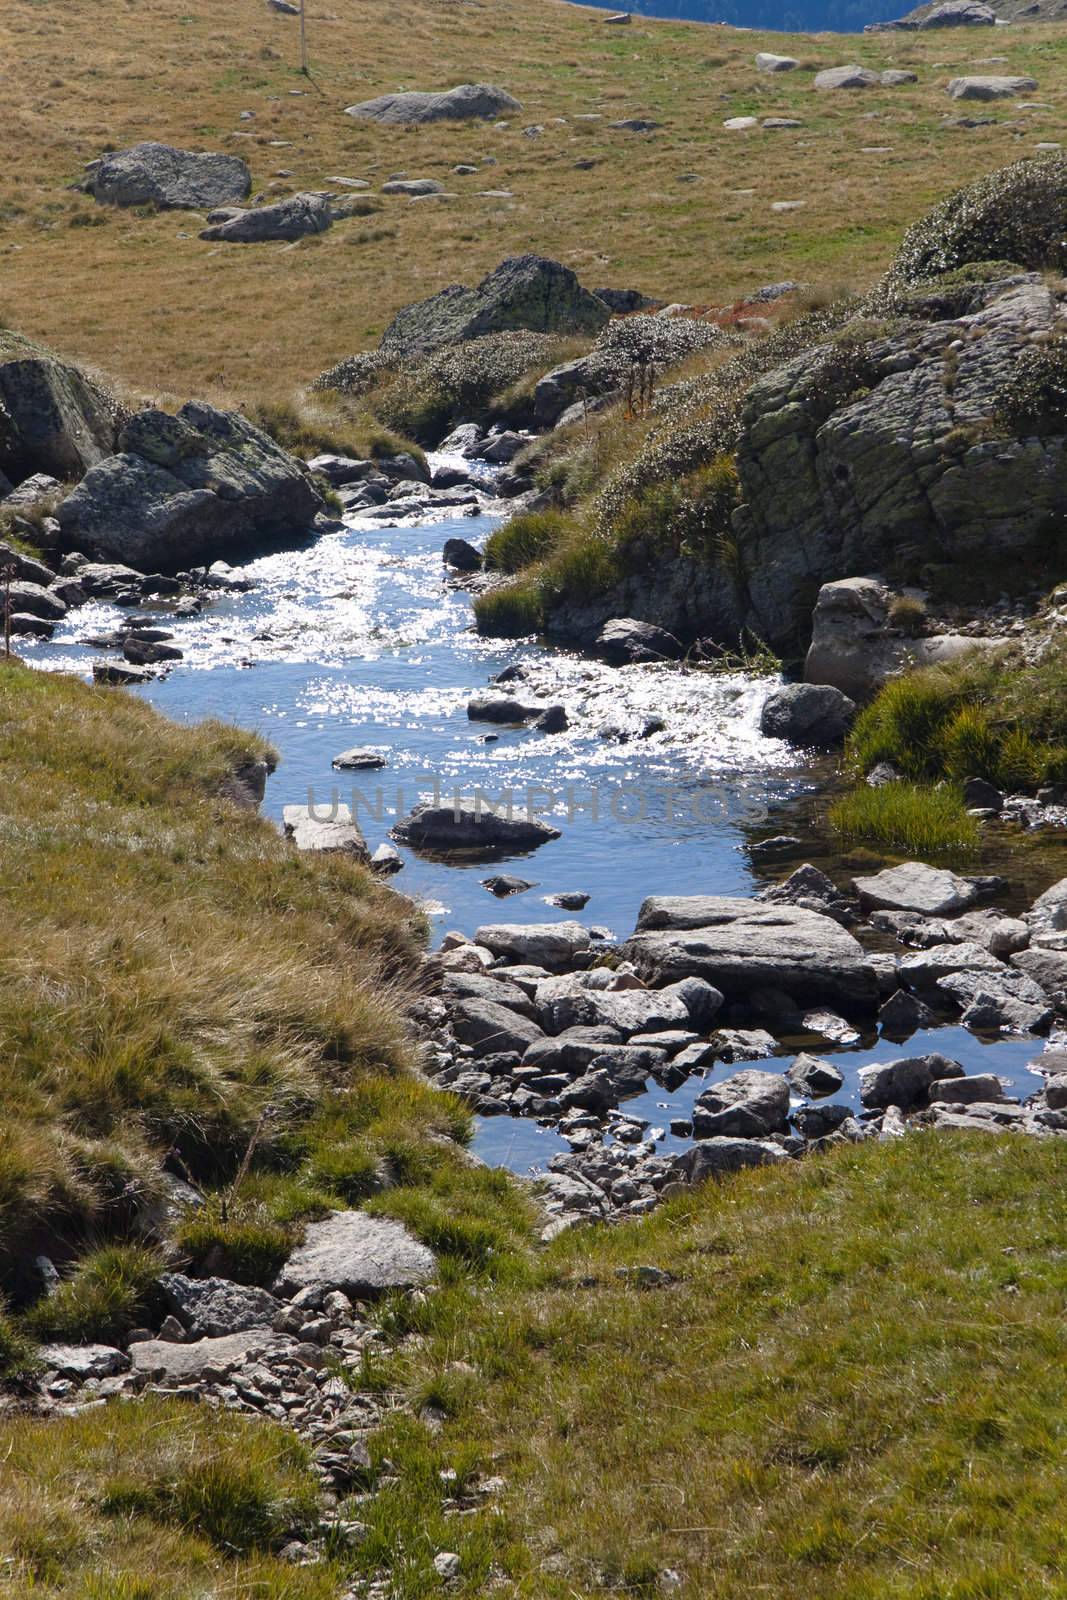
x=470 y=826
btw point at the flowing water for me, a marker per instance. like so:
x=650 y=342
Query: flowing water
x=657 y=786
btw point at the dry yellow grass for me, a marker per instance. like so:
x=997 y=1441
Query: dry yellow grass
x=145 y=300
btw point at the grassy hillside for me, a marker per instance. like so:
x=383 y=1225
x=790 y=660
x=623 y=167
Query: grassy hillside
x=143 y=298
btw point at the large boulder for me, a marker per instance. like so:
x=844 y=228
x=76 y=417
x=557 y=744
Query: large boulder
x=807 y=714
x=160 y=175
x=187 y=489
x=53 y=419
x=527 y=291
x=717 y=1157
x=327 y=830
x=491 y=1029
x=471 y=827
x=467 y=102
x=742 y=945
x=990 y=88
x=292 y=218
x=624 y=640
x=904 y=1083
x=359 y=1254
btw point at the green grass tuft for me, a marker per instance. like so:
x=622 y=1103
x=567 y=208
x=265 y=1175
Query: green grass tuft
x=921 y=819
x=110 y=1291
x=523 y=540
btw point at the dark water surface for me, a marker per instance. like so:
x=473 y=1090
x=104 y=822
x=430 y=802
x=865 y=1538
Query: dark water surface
x=782 y=16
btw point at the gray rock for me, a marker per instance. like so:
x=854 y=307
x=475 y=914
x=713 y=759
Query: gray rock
x=164 y=1361
x=850 y=77
x=505 y=884
x=767 y=61
x=493 y=1029
x=468 y=101
x=625 y=640
x=501 y=708
x=983 y=1086
x=1000 y=935
x=160 y=175
x=572 y=1051
x=413 y=186
x=56 y=421
x=748 y=1105
x=715 y=1158
x=27 y=568
x=925 y=969
x=461 y=555
x=35 y=601
x=816 y=1122
x=1048 y=914
x=740 y=945
x=990 y=88
x=1048 y=969
x=25 y=625
x=568 y=1002
x=358 y=759
x=110 y=672
x=744 y=1044
x=958 y=14
x=82 y=1361
x=994 y=1000
x=811 y=1076
x=892 y=78
x=594 y=1091
x=914 y=886
x=358 y=1254
x=904 y=1083
x=526 y=291
x=189 y=488
x=471 y=827
x=807 y=714
x=553 y=945
x=903 y=1014
x=212 y=1307
x=292 y=218
x=336 y=831
x=493 y=986
x=570 y=900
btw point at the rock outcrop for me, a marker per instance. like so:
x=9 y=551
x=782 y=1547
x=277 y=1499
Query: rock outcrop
x=467 y=102
x=292 y=218
x=189 y=488
x=53 y=419
x=523 y=292
x=160 y=175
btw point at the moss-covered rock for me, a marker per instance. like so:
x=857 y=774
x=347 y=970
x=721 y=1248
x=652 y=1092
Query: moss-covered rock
x=53 y=418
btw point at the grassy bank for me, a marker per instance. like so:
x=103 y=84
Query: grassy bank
x=847 y=1381
x=998 y=717
x=184 y=994
x=688 y=212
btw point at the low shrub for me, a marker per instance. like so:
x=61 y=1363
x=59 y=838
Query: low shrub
x=921 y=819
